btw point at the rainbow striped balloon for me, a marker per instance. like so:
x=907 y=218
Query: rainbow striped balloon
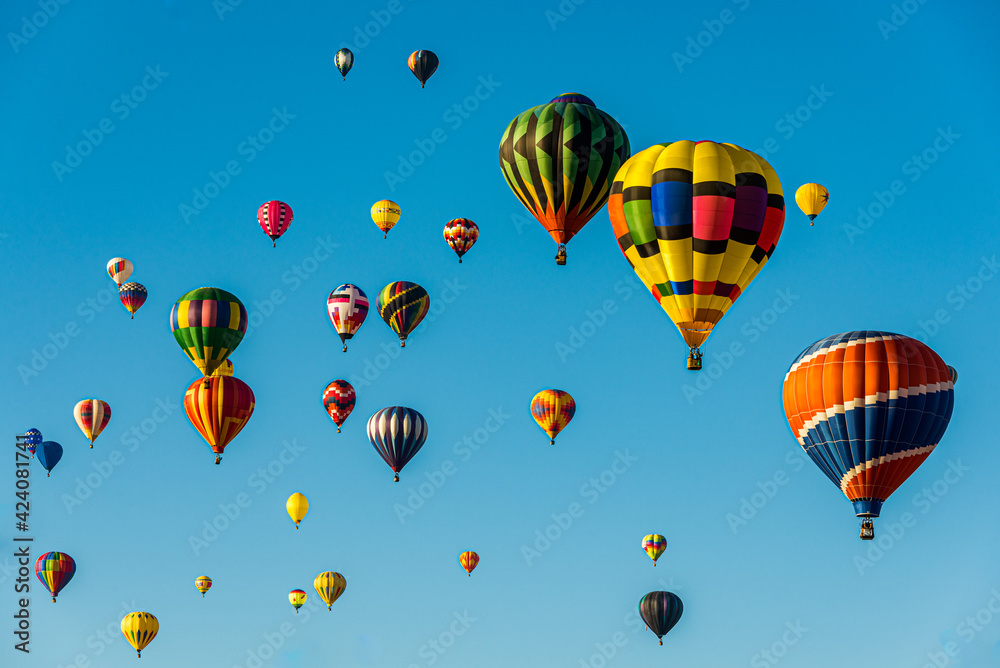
x=55 y=570
x=208 y=324
x=552 y=410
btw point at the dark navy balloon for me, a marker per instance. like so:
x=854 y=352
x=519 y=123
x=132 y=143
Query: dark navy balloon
x=49 y=453
x=33 y=438
x=661 y=610
x=397 y=433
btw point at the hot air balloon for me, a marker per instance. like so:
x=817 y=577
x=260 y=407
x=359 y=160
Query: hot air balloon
x=133 y=296
x=225 y=369
x=461 y=234
x=92 y=416
x=697 y=221
x=203 y=583
x=559 y=159
x=402 y=305
x=275 y=218
x=208 y=324
x=386 y=214
x=139 y=629
x=330 y=586
x=552 y=410
x=32 y=438
x=297 y=598
x=661 y=610
x=469 y=561
x=423 y=64
x=297 y=507
x=397 y=433
x=654 y=544
x=952 y=371
x=119 y=269
x=48 y=454
x=338 y=400
x=219 y=407
x=348 y=308
x=55 y=570
x=811 y=198
x=344 y=60
x=868 y=408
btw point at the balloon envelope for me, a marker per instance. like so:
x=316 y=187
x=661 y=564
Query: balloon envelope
x=275 y=218
x=338 y=400
x=55 y=570
x=297 y=598
x=119 y=269
x=868 y=408
x=208 y=324
x=812 y=198
x=397 y=434
x=403 y=306
x=203 y=584
x=654 y=544
x=697 y=221
x=225 y=369
x=330 y=585
x=423 y=64
x=139 y=629
x=461 y=234
x=344 y=60
x=661 y=610
x=552 y=410
x=469 y=561
x=48 y=454
x=560 y=158
x=347 y=306
x=32 y=438
x=297 y=507
x=92 y=416
x=386 y=214
x=219 y=407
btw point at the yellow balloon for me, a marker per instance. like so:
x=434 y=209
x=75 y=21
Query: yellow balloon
x=297 y=598
x=225 y=369
x=386 y=214
x=297 y=506
x=330 y=586
x=139 y=629
x=811 y=198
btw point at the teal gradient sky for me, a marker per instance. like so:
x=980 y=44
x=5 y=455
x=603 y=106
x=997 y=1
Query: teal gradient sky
x=901 y=129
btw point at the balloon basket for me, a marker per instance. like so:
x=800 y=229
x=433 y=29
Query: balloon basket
x=694 y=360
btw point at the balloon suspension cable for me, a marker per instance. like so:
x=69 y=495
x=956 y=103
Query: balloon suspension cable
x=218 y=459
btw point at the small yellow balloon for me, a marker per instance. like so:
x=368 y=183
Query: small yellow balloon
x=297 y=598
x=386 y=214
x=297 y=506
x=203 y=584
x=139 y=629
x=225 y=369
x=811 y=198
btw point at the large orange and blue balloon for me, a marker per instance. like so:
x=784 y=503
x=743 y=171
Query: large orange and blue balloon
x=559 y=159
x=344 y=61
x=32 y=438
x=208 y=324
x=403 y=306
x=133 y=296
x=338 y=400
x=552 y=410
x=48 y=455
x=654 y=544
x=219 y=407
x=92 y=416
x=397 y=433
x=55 y=570
x=868 y=408
x=661 y=610
x=275 y=218
x=461 y=234
x=347 y=306
x=423 y=64
x=697 y=221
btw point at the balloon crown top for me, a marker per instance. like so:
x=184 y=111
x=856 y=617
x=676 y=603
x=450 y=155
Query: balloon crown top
x=577 y=98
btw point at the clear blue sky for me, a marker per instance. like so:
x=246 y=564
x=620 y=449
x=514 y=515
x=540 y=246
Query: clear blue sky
x=887 y=95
